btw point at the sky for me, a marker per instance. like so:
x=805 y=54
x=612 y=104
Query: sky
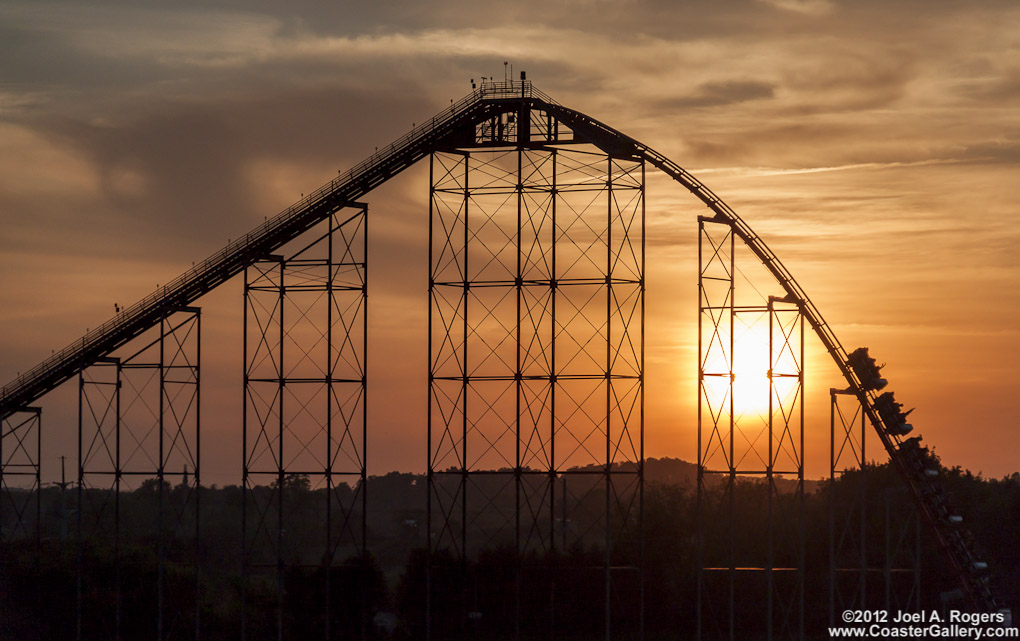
x=875 y=146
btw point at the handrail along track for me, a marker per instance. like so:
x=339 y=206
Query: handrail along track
x=262 y=240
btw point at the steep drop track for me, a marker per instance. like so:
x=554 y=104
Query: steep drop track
x=453 y=124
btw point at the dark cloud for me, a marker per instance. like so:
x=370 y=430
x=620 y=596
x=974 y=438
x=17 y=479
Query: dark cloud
x=995 y=89
x=851 y=80
x=714 y=94
x=191 y=163
x=1005 y=150
x=776 y=144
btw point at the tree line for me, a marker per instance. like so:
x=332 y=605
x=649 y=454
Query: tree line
x=558 y=591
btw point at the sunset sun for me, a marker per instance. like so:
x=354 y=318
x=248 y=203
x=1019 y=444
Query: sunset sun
x=751 y=388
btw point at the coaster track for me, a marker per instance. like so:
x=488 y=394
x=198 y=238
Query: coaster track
x=456 y=123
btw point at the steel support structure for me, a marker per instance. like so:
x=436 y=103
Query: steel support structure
x=750 y=494
x=848 y=505
x=901 y=572
x=536 y=396
x=494 y=114
x=305 y=373
x=874 y=530
x=139 y=441
x=20 y=522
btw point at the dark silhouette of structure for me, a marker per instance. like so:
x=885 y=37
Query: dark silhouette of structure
x=536 y=399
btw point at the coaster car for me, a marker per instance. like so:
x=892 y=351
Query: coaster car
x=867 y=369
x=892 y=414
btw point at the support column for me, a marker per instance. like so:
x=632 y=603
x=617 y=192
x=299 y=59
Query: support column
x=139 y=440
x=785 y=473
x=305 y=414
x=97 y=515
x=848 y=505
x=536 y=297
x=874 y=526
x=750 y=494
x=20 y=524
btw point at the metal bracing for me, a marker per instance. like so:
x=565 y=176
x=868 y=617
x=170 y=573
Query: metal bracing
x=848 y=510
x=305 y=328
x=785 y=567
x=97 y=516
x=20 y=524
x=536 y=359
x=138 y=441
x=750 y=448
x=901 y=574
x=20 y=479
x=880 y=570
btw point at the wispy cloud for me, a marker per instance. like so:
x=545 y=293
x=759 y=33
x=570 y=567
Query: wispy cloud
x=809 y=7
x=769 y=171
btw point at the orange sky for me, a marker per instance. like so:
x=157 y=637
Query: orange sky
x=874 y=145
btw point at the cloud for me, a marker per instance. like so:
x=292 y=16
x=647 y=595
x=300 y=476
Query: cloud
x=714 y=94
x=808 y=7
x=766 y=171
x=33 y=165
x=115 y=32
x=183 y=166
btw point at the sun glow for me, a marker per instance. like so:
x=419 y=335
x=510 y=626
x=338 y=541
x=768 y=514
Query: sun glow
x=751 y=371
x=752 y=361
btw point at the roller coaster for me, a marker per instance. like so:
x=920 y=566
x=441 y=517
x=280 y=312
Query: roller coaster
x=513 y=115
